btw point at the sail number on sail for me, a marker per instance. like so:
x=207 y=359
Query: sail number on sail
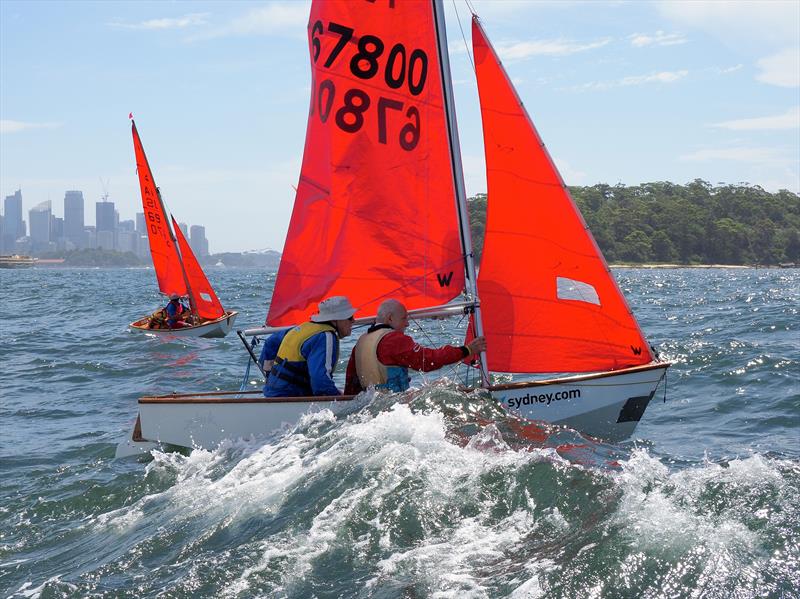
x=399 y=68
x=153 y=212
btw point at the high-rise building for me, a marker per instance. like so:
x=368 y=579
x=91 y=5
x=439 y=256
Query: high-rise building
x=105 y=240
x=184 y=229
x=143 y=247
x=126 y=240
x=140 y=224
x=105 y=216
x=73 y=218
x=198 y=240
x=56 y=228
x=106 y=221
x=40 y=216
x=13 y=225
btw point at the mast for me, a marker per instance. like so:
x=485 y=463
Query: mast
x=192 y=304
x=458 y=178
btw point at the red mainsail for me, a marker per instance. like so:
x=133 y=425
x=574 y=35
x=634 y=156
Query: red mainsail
x=374 y=215
x=163 y=250
x=548 y=299
x=203 y=297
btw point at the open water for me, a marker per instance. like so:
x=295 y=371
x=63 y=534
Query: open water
x=433 y=493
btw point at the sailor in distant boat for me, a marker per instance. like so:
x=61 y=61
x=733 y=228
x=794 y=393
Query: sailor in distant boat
x=383 y=355
x=177 y=312
x=303 y=358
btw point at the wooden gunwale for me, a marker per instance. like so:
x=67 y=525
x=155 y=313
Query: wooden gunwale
x=581 y=377
x=214 y=398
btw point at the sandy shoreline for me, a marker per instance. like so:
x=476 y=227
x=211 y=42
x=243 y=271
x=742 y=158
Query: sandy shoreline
x=625 y=265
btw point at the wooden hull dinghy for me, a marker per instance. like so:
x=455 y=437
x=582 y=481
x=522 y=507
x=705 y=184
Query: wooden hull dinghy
x=217 y=327
x=178 y=272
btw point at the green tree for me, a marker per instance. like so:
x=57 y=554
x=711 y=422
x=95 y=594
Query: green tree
x=693 y=223
x=663 y=249
x=636 y=247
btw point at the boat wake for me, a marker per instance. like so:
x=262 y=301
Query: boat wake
x=433 y=493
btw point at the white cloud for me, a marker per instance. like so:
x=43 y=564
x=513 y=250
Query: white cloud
x=188 y=20
x=277 y=17
x=570 y=175
x=789 y=120
x=733 y=69
x=739 y=21
x=771 y=156
x=17 y=126
x=782 y=69
x=660 y=38
x=662 y=77
x=757 y=28
x=522 y=50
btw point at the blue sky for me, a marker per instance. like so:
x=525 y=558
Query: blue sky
x=621 y=92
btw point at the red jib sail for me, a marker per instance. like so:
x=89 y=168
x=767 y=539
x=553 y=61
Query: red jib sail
x=374 y=215
x=163 y=250
x=548 y=299
x=203 y=297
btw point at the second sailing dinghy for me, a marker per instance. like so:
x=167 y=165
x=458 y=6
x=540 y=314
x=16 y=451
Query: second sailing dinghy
x=177 y=270
x=380 y=212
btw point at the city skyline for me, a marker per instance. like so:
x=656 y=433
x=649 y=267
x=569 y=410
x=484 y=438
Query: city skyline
x=66 y=192
x=44 y=231
x=621 y=92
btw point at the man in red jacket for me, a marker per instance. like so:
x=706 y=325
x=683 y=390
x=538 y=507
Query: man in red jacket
x=383 y=355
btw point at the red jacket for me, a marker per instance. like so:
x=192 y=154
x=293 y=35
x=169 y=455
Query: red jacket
x=398 y=349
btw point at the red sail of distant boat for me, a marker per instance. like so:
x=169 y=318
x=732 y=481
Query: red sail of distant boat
x=375 y=212
x=202 y=294
x=162 y=248
x=549 y=300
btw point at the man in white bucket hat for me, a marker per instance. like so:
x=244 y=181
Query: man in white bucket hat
x=303 y=358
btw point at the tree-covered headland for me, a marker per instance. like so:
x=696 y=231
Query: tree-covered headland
x=696 y=223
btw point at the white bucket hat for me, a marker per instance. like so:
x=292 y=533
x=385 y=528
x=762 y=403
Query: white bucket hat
x=334 y=308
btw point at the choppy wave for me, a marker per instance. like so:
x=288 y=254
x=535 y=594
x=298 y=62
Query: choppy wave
x=431 y=493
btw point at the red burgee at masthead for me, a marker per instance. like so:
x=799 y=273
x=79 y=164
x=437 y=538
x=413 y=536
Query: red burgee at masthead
x=375 y=212
x=548 y=299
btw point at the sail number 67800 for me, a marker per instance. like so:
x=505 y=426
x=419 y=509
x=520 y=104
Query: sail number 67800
x=399 y=68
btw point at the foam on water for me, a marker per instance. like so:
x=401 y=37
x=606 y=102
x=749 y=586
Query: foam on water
x=431 y=493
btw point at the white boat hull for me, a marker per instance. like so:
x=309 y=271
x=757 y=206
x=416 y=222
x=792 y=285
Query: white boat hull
x=205 y=420
x=605 y=405
x=211 y=328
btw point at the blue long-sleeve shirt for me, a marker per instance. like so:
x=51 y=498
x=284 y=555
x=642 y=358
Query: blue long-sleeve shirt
x=321 y=352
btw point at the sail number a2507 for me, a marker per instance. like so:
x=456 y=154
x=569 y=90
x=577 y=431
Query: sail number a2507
x=398 y=68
